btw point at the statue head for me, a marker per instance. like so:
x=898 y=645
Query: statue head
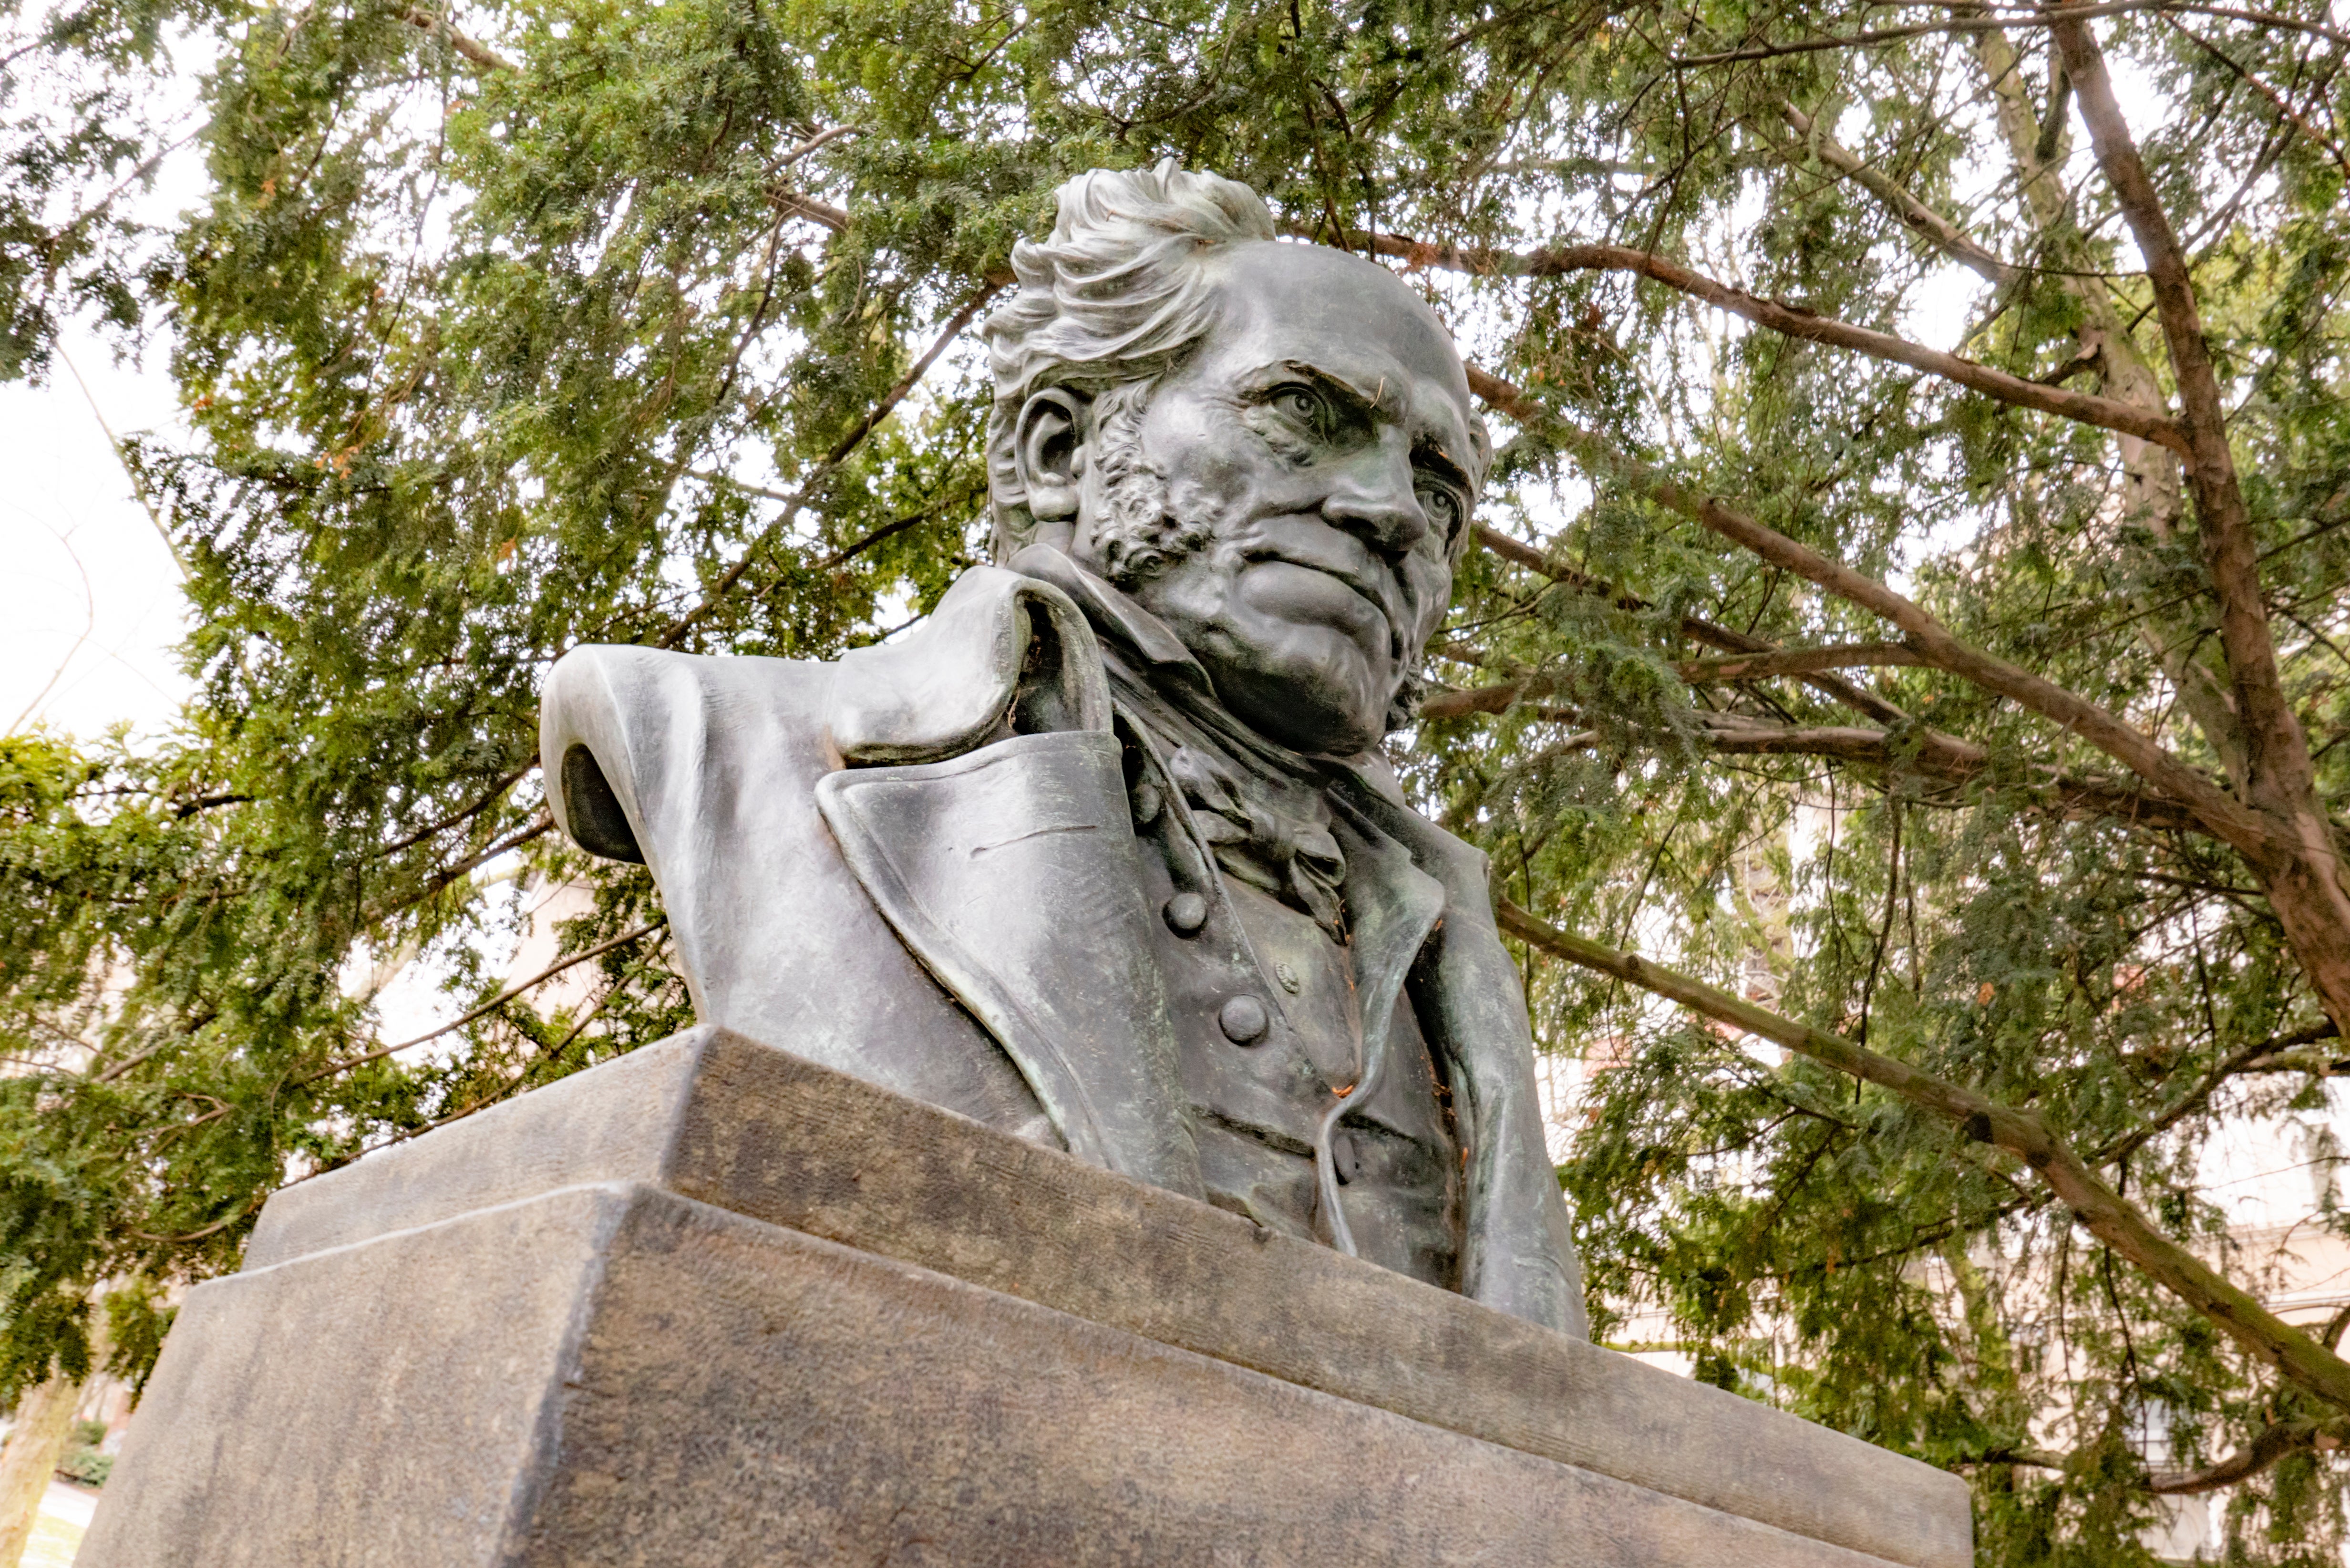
x=1269 y=445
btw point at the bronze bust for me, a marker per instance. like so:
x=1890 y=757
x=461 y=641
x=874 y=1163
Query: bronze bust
x=1103 y=853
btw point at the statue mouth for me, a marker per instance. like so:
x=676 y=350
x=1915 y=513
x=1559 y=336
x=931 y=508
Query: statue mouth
x=1362 y=586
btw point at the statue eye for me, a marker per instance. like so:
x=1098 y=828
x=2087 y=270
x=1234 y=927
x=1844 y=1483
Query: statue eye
x=1443 y=508
x=1301 y=403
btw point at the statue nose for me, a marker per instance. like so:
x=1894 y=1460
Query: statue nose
x=1375 y=500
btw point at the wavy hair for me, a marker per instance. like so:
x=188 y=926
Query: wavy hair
x=1115 y=296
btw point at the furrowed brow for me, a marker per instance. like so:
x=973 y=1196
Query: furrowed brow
x=1357 y=402
x=1429 y=453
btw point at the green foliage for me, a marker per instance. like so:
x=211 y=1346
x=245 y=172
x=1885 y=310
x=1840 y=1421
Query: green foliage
x=484 y=361
x=87 y=1466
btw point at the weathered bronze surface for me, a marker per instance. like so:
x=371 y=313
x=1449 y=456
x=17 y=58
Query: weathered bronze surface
x=1103 y=854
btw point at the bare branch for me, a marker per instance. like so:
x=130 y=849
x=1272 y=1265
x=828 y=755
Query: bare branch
x=500 y=999
x=1792 y=320
x=2110 y=1217
x=2220 y=815
x=1798 y=662
x=473 y=50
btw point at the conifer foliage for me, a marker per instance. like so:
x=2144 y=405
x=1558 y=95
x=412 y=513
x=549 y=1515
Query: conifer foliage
x=1912 y=596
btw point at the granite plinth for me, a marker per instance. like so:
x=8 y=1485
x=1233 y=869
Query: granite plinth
x=712 y=1303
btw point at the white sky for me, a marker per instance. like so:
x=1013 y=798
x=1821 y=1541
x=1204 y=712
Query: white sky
x=93 y=612
x=94 y=605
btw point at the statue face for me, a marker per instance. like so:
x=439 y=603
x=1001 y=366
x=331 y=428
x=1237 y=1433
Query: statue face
x=1315 y=451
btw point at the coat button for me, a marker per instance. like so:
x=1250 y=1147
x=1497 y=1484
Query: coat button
x=1186 y=913
x=1243 y=1020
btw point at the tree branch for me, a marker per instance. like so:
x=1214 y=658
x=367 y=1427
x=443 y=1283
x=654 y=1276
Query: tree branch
x=2219 y=814
x=1987 y=24
x=473 y=50
x=462 y=812
x=1798 y=662
x=2151 y=487
x=2243 y=1059
x=214 y=1229
x=2039 y=1459
x=2272 y=1444
x=500 y=999
x=1939 y=756
x=2305 y=882
x=1793 y=321
x=1945 y=234
x=2229 y=553
x=1913 y=30
x=2276 y=100
x=823 y=138
x=1929 y=753
x=802 y=205
x=855 y=437
x=2108 y=1216
x=2293 y=1053
x=1482 y=699
x=1693 y=627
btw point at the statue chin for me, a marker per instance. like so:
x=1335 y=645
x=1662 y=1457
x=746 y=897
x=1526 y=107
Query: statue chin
x=1311 y=690
x=1294 y=654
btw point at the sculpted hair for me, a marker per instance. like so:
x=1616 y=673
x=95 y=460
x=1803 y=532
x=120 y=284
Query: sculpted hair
x=1116 y=296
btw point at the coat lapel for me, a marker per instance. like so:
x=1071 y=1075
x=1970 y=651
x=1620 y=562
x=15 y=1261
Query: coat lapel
x=1010 y=874
x=1518 y=1255
x=1392 y=905
x=1009 y=870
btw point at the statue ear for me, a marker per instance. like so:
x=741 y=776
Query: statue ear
x=1049 y=445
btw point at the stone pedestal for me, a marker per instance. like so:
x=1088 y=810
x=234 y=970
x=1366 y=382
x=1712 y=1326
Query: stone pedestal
x=712 y=1305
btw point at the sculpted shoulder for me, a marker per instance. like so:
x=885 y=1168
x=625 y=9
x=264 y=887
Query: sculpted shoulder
x=615 y=720
x=1000 y=652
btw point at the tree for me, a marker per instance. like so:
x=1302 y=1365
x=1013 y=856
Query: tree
x=565 y=321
